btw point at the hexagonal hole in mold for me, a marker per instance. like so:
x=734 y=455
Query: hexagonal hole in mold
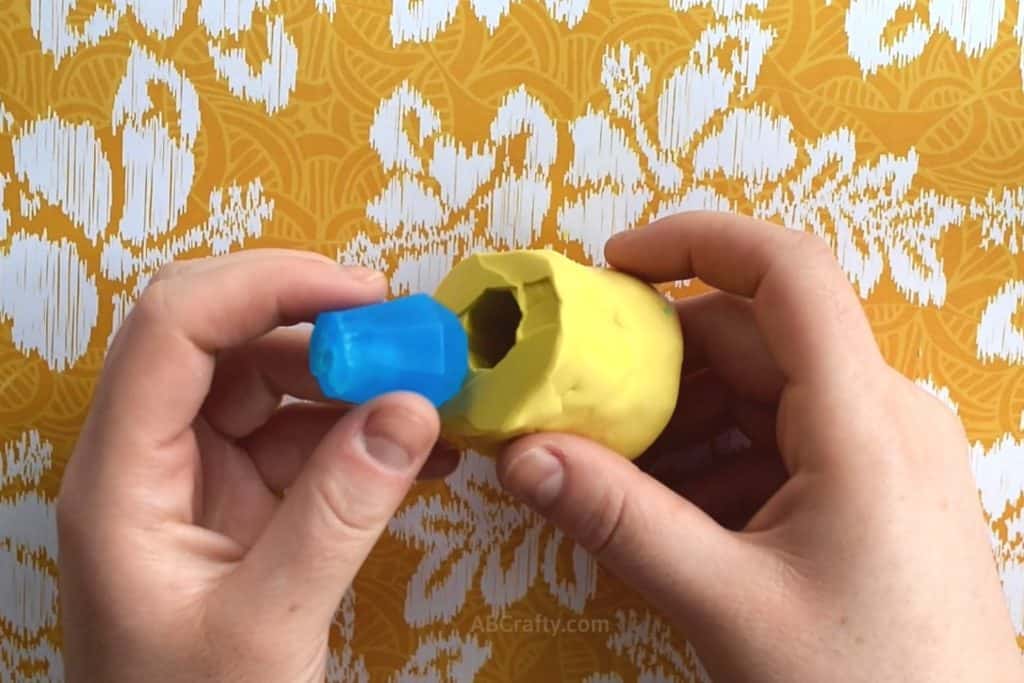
x=492 y=322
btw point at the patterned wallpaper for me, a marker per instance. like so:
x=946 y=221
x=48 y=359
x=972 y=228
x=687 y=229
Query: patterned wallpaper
x=406 y=134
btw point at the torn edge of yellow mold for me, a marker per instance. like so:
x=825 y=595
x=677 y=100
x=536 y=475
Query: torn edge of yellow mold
x=556 y=346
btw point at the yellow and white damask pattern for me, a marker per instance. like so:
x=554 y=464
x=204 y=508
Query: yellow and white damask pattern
x=406 y=134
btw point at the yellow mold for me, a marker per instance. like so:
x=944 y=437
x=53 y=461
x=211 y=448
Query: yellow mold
x=556 y=346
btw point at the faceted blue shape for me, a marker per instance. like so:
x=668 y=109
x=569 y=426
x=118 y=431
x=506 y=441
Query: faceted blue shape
x=408 y=344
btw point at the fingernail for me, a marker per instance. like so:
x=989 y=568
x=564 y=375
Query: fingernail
x=535 y=476
x=394 y=437
x=362 y=274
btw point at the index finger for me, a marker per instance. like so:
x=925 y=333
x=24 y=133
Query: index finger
x=161 y=363
x=809 y=315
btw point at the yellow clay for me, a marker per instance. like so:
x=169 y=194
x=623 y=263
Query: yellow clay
x=558 y=346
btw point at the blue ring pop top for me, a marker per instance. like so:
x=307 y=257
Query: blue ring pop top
x=408 y=344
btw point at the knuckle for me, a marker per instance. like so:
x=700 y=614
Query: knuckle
x=909 y=406
x=949 y=423
x=154 y=302
x=168 y=271
x=942 y=415
x=599 y=529
x=813 y=247
x=345 y=512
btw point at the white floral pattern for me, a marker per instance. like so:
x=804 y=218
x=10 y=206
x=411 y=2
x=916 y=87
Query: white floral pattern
x=608 y=174
x=446 y=195
x=49 y=292
x=1002 y=219
x=999 y=338
x=645 y=642
x=440 y=657
x=457 y=196
x=413 y=21
x=28 y=557
x=999 y=471
x=869 y=211
x=450 y=658
x=973 y=29
x=464 y=537
x=343 y=665
x=870 y=215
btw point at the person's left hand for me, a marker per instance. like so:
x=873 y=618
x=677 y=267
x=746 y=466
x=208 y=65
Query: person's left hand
x=180 y=560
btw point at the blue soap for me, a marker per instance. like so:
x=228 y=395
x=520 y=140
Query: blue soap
x=408 y=344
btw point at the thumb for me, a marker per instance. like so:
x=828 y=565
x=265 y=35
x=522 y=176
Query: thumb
x=335 y=511
x=650 y=537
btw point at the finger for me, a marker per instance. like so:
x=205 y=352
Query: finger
x=757 y=422
x=695 y=356
x=811 y=319
x=283 y=445
x=737 y=488
x=707 y=407
x=161 y=363
x=333 y=514
x=739 y=425
x=691 y=459
x=702 y=410
x=738 y=370
x=650 y=537
x=250 y=380
x=235 y=502
x=192 y=266
x=723 y=326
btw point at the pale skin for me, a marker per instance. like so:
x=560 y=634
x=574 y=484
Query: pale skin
x=847 y=543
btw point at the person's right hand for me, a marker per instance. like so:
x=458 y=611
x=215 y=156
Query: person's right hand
x=848 y=542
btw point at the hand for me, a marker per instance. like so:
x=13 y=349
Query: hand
x=847 y=542
x=179 y=558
